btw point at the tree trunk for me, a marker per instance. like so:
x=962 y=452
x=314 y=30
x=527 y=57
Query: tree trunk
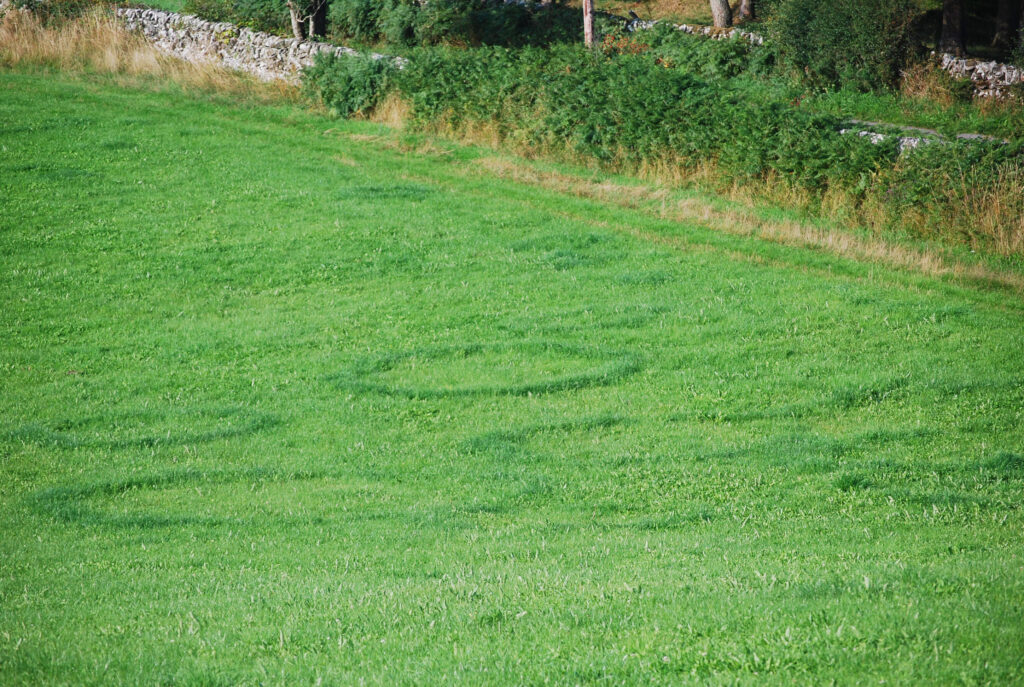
x=318 y=20
x=296 y=17
x=1007 y=22
x=952 y=27
x=721 y=13
x=746 y=10
x=588 y=23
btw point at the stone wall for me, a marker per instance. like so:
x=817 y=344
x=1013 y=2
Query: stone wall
x=693 y=29
x=991 y=79
x=195 y=40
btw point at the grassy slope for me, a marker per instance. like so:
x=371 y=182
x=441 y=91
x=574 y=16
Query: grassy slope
x=280 y=403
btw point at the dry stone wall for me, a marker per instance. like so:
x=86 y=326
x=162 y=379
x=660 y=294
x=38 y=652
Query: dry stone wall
x=196 y=40
x=694 y=29
x=991 y=79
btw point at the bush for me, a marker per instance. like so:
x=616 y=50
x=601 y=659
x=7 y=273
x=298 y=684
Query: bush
x=211 y=10
x=859 y=43
x=349 y=84
x=399 y=24
x=50 y=10
x=632 y=109
x=710 y=59
x=1017 y=56
x=454 y=22
x=261 y=15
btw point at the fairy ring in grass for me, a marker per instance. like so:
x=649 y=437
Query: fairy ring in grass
x=149 y=428
x=488 y=369
x=174 y=498
x=502 y=440
x=256 y=496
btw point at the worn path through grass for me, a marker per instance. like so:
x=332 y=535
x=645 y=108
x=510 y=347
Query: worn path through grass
x=285 y=400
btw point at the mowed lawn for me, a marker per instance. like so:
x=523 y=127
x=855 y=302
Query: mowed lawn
x=287 y=401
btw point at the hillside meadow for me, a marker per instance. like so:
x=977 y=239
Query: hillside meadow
x=286 y=399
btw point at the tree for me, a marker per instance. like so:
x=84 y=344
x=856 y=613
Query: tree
x=315 y=14
x=588 y=22
x=952 y=39
x=746 y=10
x=1007 y=21
x=721 y=13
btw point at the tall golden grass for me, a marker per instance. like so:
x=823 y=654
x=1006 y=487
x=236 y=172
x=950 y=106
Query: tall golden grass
x=98 y=43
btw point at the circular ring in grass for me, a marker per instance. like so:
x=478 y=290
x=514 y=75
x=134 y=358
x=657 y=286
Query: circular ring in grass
x=149 y=428
x=190 y=497
x=495 y=369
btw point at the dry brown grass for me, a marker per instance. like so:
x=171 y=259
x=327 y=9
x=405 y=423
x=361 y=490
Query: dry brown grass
x=394 y=111
x=98 y=43
x=927 y=83
x=995 y=213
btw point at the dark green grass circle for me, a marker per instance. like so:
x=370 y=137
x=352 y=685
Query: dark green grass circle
x=610 y=367
x=71 y=434
x=72 y=503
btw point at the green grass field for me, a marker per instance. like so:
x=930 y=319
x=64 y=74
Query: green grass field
x=287 y=401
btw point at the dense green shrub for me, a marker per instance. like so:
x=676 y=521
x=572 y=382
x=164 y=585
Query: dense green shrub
x=211 y=10
x=1017 y=56
x=858 y=43
x=632 y=108
x=709 y=59
x=49 y=10
x=262 y=15
x=398 y=24
x=458 y=22
x=349 y=84
x=359 y=19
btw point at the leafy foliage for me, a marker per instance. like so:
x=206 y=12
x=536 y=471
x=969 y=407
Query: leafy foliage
x=455 y=22
x=862 y=43
x=262 y=15
x=709 y=59
x=350 y=85
x=57 y=10
x=632 y=108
